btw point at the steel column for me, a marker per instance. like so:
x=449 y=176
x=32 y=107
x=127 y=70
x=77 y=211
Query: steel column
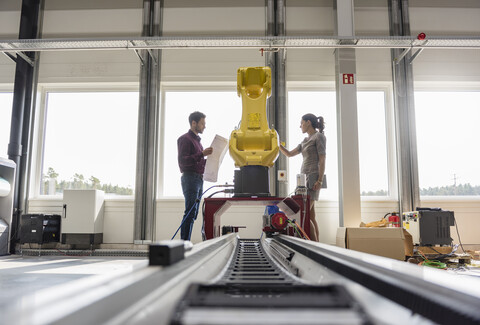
x=347 y=122
x=277 y=104
x=23 y=99
x=148 y=119
x=409 y=194
x=271 y=102
x=281 y=95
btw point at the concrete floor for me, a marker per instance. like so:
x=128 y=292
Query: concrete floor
x=21 y=275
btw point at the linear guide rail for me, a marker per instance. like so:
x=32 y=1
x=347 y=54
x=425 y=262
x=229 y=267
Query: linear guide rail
x=279 y=280
x=254 y=289
x=434 y=294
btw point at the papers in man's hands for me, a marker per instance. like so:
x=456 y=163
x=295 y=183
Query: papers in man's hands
x=219 y=145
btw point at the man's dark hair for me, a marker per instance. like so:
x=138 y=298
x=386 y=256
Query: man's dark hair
x=195 y=116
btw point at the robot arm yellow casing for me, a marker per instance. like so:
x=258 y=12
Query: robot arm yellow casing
x=254 y=143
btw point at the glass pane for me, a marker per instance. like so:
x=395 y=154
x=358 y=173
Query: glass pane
x=372 y=143
x=6 y=100
x=318 y=103
x=90 y=142
x=447 y=140
x=223 y=111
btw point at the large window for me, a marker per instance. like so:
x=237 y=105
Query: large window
x=223 y=111
x=447 y=140
x=5 y=121
x=372 y=139
x=372 y=143
x=90 y=142
x=319 y=103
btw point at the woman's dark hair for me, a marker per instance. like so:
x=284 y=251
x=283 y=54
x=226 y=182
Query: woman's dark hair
x=317 y=122
x=195 y=116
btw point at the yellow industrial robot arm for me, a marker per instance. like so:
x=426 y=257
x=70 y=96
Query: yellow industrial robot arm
x=254 y=143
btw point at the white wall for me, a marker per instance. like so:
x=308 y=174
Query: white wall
x=9 y=26
x=314 y=18
x=117 y=221
x=118 y=218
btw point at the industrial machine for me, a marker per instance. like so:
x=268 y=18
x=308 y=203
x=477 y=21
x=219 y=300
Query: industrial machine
x=7 y=185
x=253 y=146
x=274 y=220
x=429 y=226
x=83 y=217
x=295 y=207
x=40 y=228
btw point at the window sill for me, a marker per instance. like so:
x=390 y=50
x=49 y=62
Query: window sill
x=455 y=198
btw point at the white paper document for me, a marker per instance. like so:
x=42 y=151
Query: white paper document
x=219 y=145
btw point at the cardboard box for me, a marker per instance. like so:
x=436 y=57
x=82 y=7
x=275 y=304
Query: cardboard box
x=435 y=250
x=408 y=243
x=389 y=242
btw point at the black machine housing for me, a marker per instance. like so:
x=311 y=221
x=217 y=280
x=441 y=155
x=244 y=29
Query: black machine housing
x=39 y=228
x=434 y=226
x=251 y=181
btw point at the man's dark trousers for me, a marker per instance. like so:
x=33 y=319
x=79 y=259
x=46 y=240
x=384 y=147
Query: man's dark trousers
x=192 y=186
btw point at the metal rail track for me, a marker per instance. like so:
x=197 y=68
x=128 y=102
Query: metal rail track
x=254 y=289
x=239 y=42
x=251 y=265
x=280 y=280
x=439 y=303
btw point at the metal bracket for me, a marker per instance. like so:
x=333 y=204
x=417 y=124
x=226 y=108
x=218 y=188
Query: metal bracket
x=414 y=55
x=20 y=54
x=269 y=49
x=405 y=52
x=410 y=61
x=11 y=57
x=347 y=41
x=142 y=61
x=152 y=56
x=26 y=58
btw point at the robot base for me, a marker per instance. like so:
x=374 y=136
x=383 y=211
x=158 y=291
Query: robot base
x=251 y=181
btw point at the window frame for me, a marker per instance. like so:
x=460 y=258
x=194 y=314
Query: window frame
x=180 y=87
x=38 y=142
x=446 y=86
x=40 y=116
x=7 y=88
x=387 y=89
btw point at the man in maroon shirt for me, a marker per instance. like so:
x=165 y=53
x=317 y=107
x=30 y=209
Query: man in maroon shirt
x=191 y=160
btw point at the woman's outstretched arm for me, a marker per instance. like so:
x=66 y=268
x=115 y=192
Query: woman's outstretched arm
x=288 y=153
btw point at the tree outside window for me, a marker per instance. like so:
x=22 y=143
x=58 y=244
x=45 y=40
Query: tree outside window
x=90 y=142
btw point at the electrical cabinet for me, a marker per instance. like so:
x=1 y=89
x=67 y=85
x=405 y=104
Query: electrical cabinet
x=82 y=216
x=429 y=226
x=39 y=228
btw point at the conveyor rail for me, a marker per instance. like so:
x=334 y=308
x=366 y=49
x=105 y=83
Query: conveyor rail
x=251 y=265
x=437 y=303
x=280 y=280
x=253 y=281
